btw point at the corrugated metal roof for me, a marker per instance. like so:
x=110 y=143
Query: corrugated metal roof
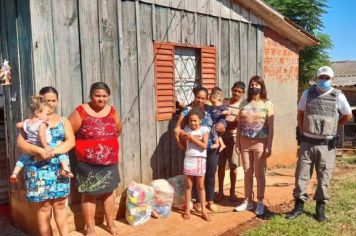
x=345 y=73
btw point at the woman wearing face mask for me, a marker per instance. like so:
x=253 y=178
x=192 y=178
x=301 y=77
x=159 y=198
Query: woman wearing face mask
x=254 y=141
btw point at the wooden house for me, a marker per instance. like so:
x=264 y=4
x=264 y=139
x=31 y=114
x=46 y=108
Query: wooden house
x=151 y=53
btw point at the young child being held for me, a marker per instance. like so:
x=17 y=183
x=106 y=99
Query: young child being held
x=35 y=129
x=194 y=143
x=218 y=113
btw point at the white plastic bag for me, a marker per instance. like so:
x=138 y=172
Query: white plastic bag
x=178 y=184
x=162 y=197
x=139 y=202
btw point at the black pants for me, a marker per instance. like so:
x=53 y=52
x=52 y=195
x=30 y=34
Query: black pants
x=209 y=181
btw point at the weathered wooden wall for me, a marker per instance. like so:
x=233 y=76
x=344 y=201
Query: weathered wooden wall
x=71 y=44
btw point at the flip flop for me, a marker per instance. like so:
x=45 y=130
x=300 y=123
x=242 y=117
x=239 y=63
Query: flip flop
x=197 y=207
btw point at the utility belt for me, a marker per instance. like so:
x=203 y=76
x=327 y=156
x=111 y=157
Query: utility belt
x=331 y=143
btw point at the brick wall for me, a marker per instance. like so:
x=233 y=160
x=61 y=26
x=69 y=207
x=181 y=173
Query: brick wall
x=281 y=58
x=280 y=66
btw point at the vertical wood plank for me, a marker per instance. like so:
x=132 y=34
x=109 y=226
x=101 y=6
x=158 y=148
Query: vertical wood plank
x=260 y=50
x=162 y=24
x=189 y=26
x=14 y=91
x=245 y=14
x=10 y=139
x=191 y=5
x=109 y=51
x=218 y=55
x=163 y=150
x=234 y=53
x=235 y=11
x=202 y=30
x=252 y=55
x=224 y=78
x=203 y=6
x=118 y=90
x=175 y=25
x=147 y=95
x=67 y=55
x=89 y=44
x=225 y=7
x=215 y=7
x=244 y=51
x=212 y=31
x=43 y=46
x=130 y=105
x=25 y=53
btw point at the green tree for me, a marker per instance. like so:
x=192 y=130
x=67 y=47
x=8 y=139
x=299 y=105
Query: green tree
x=307 y=14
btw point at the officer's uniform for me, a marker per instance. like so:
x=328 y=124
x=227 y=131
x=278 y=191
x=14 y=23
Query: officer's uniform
x=321 y=116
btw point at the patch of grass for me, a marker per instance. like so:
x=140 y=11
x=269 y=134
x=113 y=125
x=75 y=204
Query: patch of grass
x=350 y=159
x=341 y=212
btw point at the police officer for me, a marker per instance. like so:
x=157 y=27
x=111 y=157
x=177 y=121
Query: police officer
x=320 y=110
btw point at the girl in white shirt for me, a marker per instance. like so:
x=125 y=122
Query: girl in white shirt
x=195 y=144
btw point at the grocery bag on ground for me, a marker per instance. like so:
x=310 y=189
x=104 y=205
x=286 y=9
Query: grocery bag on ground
x=138 y=203
x=177 y=182
x=162 y=197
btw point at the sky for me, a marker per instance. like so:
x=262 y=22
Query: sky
x=340 y=24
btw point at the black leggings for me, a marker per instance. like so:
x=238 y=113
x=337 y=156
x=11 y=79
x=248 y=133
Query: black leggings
x=209 y=181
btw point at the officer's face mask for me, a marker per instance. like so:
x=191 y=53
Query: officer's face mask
x=323 y=84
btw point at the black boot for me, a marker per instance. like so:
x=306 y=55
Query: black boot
x=320 y=208
x=297 y=211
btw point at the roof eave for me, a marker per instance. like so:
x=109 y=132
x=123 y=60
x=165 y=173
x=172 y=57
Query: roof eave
x=280 y=23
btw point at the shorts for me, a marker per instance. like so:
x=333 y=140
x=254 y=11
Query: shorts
x=229 y=153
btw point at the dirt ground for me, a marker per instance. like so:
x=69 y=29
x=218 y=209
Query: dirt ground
x=282 y=208
x=278 y=198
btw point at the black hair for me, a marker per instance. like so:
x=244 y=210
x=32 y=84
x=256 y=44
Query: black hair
x=199 y=111
x=48 y=89
x=99 y=85
x=239 y=84
x=198 y=89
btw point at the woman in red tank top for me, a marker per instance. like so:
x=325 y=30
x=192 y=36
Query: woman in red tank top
x=97 y=127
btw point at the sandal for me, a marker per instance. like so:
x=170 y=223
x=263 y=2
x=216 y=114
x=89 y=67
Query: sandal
x=186 y=216
x=206 y=217
x=197 y=207
x=219 y=197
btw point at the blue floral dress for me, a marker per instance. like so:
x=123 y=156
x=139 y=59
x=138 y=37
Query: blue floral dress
x=42 y=178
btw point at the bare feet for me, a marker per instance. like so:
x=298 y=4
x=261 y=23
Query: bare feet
x=186 y=215
x=233 y=197
x=13 y=179
x=205 y=216
x=219 y=196
x=111 y=229
x=90 y=232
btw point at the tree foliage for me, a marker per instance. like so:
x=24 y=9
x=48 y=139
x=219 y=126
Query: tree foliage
x=307 y=14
